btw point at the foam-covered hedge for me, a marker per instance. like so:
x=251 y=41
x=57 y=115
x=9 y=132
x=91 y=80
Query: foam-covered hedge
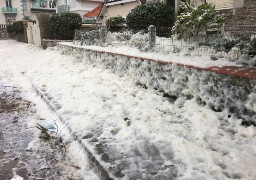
x=63 y=25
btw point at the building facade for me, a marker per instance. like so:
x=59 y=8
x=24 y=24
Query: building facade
x=219 y=5
x=37 y=6
x=11 y=10
x=77 y=6
x=115 y=8
x=17 y=10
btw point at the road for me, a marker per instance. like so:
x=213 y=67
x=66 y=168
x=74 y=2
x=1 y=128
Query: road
x=135 y=132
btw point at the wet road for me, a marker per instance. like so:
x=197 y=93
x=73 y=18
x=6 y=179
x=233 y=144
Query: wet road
x=24 y=150
x=14 y=134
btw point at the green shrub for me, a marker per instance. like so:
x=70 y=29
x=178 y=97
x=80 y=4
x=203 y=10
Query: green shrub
x=10 y=29
x=63 y=25
x=16 y=27
x=195 y=19
x=155 y=13
x=115 y=23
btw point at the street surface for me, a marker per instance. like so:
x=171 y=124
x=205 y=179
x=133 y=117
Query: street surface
x=133 y=131
x=25 y=152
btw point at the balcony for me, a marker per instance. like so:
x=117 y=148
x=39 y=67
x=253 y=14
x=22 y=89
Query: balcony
x=43 y=6
x=9 y=10
x=63 y=8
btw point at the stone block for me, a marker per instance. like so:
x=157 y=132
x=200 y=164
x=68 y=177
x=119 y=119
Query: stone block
x=238 y=3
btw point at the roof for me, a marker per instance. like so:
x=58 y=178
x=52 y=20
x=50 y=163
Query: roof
x=95 y=12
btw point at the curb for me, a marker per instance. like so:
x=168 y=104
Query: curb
x=95 y=164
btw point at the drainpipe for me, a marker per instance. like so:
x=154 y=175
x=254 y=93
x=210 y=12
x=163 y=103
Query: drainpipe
x=177 y=7
x=23 y=12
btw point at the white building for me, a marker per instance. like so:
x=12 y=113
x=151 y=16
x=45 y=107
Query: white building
x=16 y=10
x=36 y=6
x=11 y=10
x=115 y=8
x=77 y=6
x=223 y=4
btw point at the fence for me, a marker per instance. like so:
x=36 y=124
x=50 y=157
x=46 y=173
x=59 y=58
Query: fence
x=3 y=31
x=3 y=26
x=217 y=45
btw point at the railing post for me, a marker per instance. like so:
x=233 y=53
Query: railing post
x=152 y=36
x=102 y=33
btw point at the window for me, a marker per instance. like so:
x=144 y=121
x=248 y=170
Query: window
x=52 y=4
x=10 y=19
x=43 y=4
x=8 y=3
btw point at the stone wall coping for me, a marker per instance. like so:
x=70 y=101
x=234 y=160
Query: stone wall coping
x=240 y=71
x=56 y=40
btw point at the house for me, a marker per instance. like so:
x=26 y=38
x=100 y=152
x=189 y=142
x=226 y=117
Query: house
x=242 y=20
x=240 y=15
x=40 y=6
x=115 y=8
x=219 y=5
x=122 y=8
x=78 y=6
x=92 y=17
x=11 y=10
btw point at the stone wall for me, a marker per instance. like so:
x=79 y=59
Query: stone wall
x=51 y=43
x=20 y=37
x=221 y=90
x=45 y=32
x=243 y=21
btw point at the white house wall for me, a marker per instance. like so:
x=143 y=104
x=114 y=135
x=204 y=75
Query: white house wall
x=79 y=6
x=220 y=4
x=223 y=4
x=90 y=5
x=119 y=9
x=2 y=17
x=73 y=4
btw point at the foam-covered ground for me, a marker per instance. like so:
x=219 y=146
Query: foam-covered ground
x=24 y=153
x=136 y=132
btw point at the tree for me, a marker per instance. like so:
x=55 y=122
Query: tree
x=63 y=25
x=154 y=13
x=195 y=19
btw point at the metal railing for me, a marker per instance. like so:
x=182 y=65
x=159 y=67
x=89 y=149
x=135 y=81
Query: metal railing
x=44 y=4
x=9 y=10
x=3 y=26
x=223 y=42
x=217 y=44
